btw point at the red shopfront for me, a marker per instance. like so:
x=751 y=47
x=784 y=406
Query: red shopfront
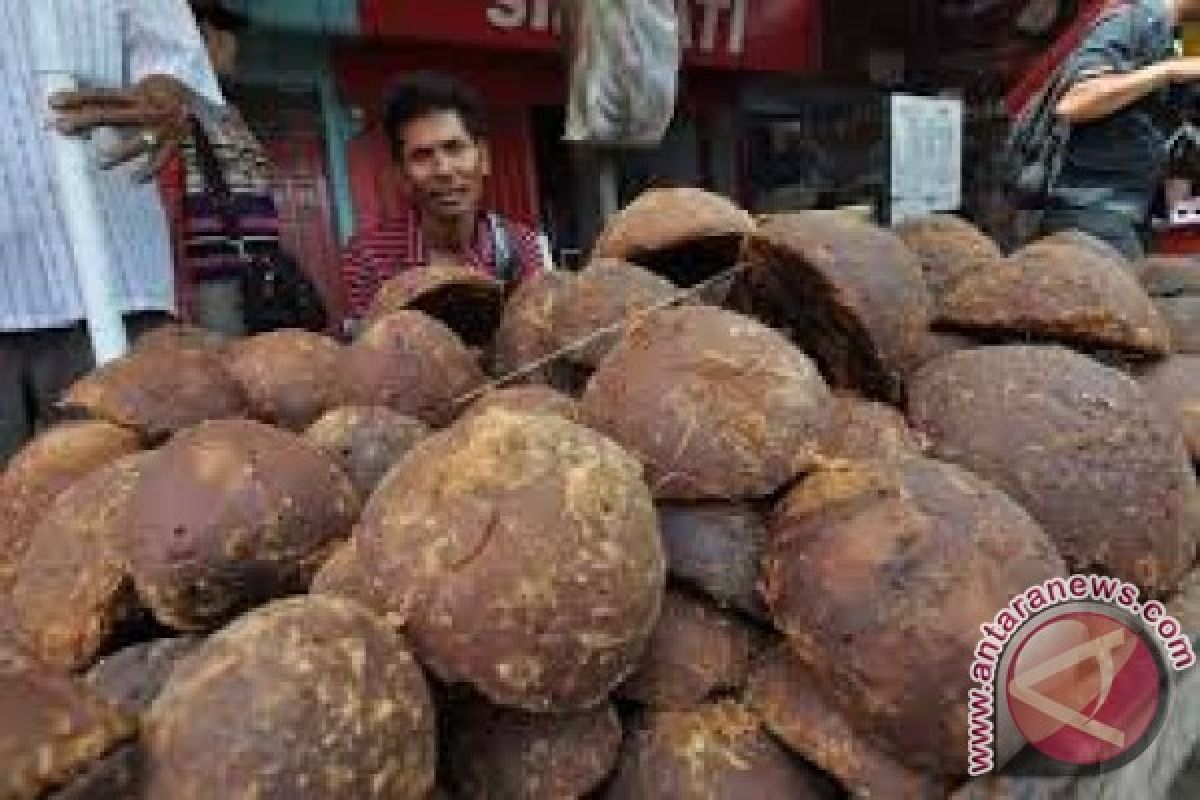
x=509 y=50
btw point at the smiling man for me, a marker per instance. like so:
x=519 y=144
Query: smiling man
x=438 y=133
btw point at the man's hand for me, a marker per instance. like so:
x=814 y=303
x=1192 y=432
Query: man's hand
x=154 y=113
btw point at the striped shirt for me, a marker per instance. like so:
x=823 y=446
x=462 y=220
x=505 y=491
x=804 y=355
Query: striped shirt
x=113 y=44
x=374 y=256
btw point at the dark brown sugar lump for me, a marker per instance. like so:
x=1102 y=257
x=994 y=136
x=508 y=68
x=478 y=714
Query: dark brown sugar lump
x=288 y=376
x=1174 y=384
x=867 y=429
x=307 y=697
x=1170 y=276
x=45 y=467
x=342 y=575
x=579 y=316
x=467 y=301
x=523 y=553
x=413 y=364
x=941 y=550
x=500 y=754
x=231 y=514
x=1063 y=293
x=178 y=336
x=948 y=248
x=695 y=652
x=526 y=331
x=717 y=405
x=159 y=391
x=716 y=548
x=52 y=727
x=72 y=591
x=1095 y=246
x=528 y=400
x=132 y=677
x=605 y=294
x=366 y=441
x=685 y=235
x=849 y=293
x=797 y=713
x=718 y=752
x=1080 y=445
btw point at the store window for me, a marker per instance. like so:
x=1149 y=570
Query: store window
x=815 y=150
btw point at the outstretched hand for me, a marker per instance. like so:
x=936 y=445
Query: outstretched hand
x=153 y=115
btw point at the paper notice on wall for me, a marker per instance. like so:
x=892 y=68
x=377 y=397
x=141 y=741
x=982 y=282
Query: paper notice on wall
x=926 y=155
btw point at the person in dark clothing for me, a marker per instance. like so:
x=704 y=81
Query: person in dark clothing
x=1121 y=78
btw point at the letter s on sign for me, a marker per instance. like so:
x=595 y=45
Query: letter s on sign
x=507 y=14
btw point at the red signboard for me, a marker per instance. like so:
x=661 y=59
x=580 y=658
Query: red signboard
x=766 y=35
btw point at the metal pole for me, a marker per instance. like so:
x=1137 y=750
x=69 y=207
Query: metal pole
x=76 y=181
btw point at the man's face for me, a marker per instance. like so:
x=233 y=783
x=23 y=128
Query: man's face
x=443 y=165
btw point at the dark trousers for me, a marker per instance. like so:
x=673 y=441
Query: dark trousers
x=1113 y=227
x=37 y=366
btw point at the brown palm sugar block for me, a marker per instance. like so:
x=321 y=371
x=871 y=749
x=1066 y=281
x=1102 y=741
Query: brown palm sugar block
x=941 y=552
x=159 y=391
x=1170 y=276
x=176 y=336
x=1184 y=604
x=1174 y=283
x=116 y=776
x=1174 y=384
x=939 y=343
x=1062 y=293
x=1078 y=444
x=132 y=677
x=308 y=697
x=850 y=293
x=366 y=441
x=719 y=752
x=49 y=464
x=500 y=754
x=685 y=235
x=1095 y=246
x=581 y=316
x=464 y=299
x=523 y=552
x=342 y=575
x=605 y=294
x=51 y=727
x=792 y=707
x=948 y=248
x=528 y=400
x=717 y=405
x=288 y=376
x=696 y=651
x=1182 y=316
x=526 y=328
x=72 y=590
x=411 y=363
x=230 y=514
x=867 y=429
x=716 y=548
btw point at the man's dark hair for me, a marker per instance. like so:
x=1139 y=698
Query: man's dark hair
x=421 y=93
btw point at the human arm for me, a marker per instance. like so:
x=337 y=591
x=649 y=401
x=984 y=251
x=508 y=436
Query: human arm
x=168 y=76
x=1126 y=56
x=1099 y=96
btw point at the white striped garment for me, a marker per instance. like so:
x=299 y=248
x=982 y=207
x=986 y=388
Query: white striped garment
x=114 y=44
